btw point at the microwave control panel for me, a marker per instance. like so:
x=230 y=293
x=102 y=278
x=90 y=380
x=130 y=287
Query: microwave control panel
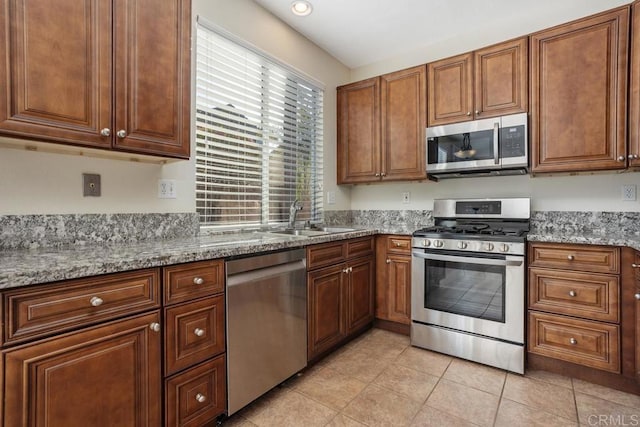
x=513 y=141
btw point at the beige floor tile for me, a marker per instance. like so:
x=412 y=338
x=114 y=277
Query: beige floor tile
x=408 y=382
x=475 y=375
x=593 y=411
x=540 y=395
x=359 y=364
x=377 y=406
x=330 y=387
x=616 y=396
x=289 y=408
x=549 y=377
x=512 y=413
x=238 y=421
x=432 y=417
x=424 y=361
x=343 y=421
x=476 y=406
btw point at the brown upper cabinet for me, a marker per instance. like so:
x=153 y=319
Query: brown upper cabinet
x=103 y=74
x=633 y=155
x=486 y=83
x=381 y=127
x=578 y=94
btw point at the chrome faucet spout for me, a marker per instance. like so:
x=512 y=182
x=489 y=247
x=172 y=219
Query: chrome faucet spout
x=293 y=211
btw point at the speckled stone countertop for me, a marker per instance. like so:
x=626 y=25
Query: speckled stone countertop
x=611 y=239
x=21 y=267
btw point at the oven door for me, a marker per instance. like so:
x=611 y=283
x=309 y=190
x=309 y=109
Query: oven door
x=475 y=293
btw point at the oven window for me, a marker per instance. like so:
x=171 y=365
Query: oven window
x=472 y=290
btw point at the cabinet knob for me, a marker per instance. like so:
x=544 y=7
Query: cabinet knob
x=398 y=244
x=200 y=397
x=155 y=327
x=198 y=332
x=621 y=158
x=573 y=341
x=96 y=301
x=198 y=280
x=572 y=293
x=570 y=257
x=635 y=265
x=105 y=132
x=468 y=113
x=122 y=133
x=477 y=112
x=388 y=261
x=383 y=174
x=377 y=174
x=345 y=271
x=350 y=269
x=637 y=296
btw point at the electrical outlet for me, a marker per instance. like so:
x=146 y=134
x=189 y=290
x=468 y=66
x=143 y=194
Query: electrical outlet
x=90 y=185
x=629 y=193
x=406 y=197
x=331 y=197
x=167 y=189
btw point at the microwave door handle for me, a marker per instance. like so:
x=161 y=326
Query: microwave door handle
x=496 y=148
x=470 y=260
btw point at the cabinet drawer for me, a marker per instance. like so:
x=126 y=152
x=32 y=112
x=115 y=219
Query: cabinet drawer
x=44 y=310
x=194 y=332
x=589 y=295
x=193 y=280
x=592 y=344
x=401 y=245
x=197 y=395
x=597 y=259
x=360 y=247
x=326 y=254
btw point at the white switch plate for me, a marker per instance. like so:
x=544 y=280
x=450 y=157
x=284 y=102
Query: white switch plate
x=629 y=193
x=331 y=197
x=406 y=197
x=167 y=189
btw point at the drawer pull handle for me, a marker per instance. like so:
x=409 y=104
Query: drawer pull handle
x=572 y=293
x=398 y=244
x=155 y=327
x=201 y=397
x=573 y=341
x=635 y=265
x=96 y=301
x=198 y=280
x=637 y=296
x=198 y=332
x=570 y=257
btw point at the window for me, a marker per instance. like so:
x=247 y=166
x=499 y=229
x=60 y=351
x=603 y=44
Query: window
x=258 y=137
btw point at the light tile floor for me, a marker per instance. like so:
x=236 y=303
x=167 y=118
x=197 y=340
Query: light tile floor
x=380 y=380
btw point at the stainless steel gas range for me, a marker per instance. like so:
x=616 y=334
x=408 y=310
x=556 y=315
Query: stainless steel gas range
x=468 y=281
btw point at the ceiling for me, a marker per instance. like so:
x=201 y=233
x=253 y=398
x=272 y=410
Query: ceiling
x=362 y=32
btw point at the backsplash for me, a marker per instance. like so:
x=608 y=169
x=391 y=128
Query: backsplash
x=408 y=219
x=554 y=222
x=35 y=231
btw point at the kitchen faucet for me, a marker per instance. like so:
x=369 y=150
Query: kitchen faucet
x=293 y=211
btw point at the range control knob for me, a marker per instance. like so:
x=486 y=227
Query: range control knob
x=438 y=243
x=426 y=243
x=488 y=246
x=504 y=247
x=462 y=245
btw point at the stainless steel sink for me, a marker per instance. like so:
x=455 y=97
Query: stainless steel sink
x=336 y=229
x=300 y=232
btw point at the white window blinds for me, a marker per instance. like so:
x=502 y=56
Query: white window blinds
x=258 y=137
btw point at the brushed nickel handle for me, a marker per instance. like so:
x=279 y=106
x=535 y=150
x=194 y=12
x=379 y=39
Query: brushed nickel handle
x=621 y=158
x=477 y=112
x=637 y=296
x=105 y=132
x=122 y=133
x=573 y=341
x=388 y=261
x=345 y=271
x=570 y=257
x=398 y=244
x=198 y=280
x=198 y=332
x=468 y=113
x=572 y=293
x=96 y=301
x=155 y=327
x=200 y=397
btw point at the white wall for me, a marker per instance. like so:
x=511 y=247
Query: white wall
x=41 y=182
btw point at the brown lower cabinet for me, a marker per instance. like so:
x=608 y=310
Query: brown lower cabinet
x=393 y=283
x=340 y=292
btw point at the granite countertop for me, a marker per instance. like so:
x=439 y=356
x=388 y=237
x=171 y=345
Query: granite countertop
x=610 y=239
x=23 y=267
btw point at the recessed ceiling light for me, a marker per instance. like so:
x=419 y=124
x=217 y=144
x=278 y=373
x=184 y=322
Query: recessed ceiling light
x=301 y=8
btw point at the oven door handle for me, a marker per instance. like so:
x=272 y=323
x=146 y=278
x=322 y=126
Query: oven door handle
x=470 y=260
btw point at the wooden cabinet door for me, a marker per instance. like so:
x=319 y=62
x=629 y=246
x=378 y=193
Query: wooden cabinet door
x=578 y=94
x=152 y=76
x=399 y=290
x=634 y=90
x=403 y=123
x=450 y=90
x=359 y=132
x=325 y=308
x=360 y=293
x=104 y=376
x=501 y=79
x=58 y=76
x=637 y=300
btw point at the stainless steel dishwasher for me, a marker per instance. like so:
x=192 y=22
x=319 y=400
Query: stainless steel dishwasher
x=266 y=323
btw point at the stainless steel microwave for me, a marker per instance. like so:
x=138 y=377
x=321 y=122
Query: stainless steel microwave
x=486 y=147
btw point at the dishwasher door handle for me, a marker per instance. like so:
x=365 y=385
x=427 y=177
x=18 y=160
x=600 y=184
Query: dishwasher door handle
x=249 y=277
